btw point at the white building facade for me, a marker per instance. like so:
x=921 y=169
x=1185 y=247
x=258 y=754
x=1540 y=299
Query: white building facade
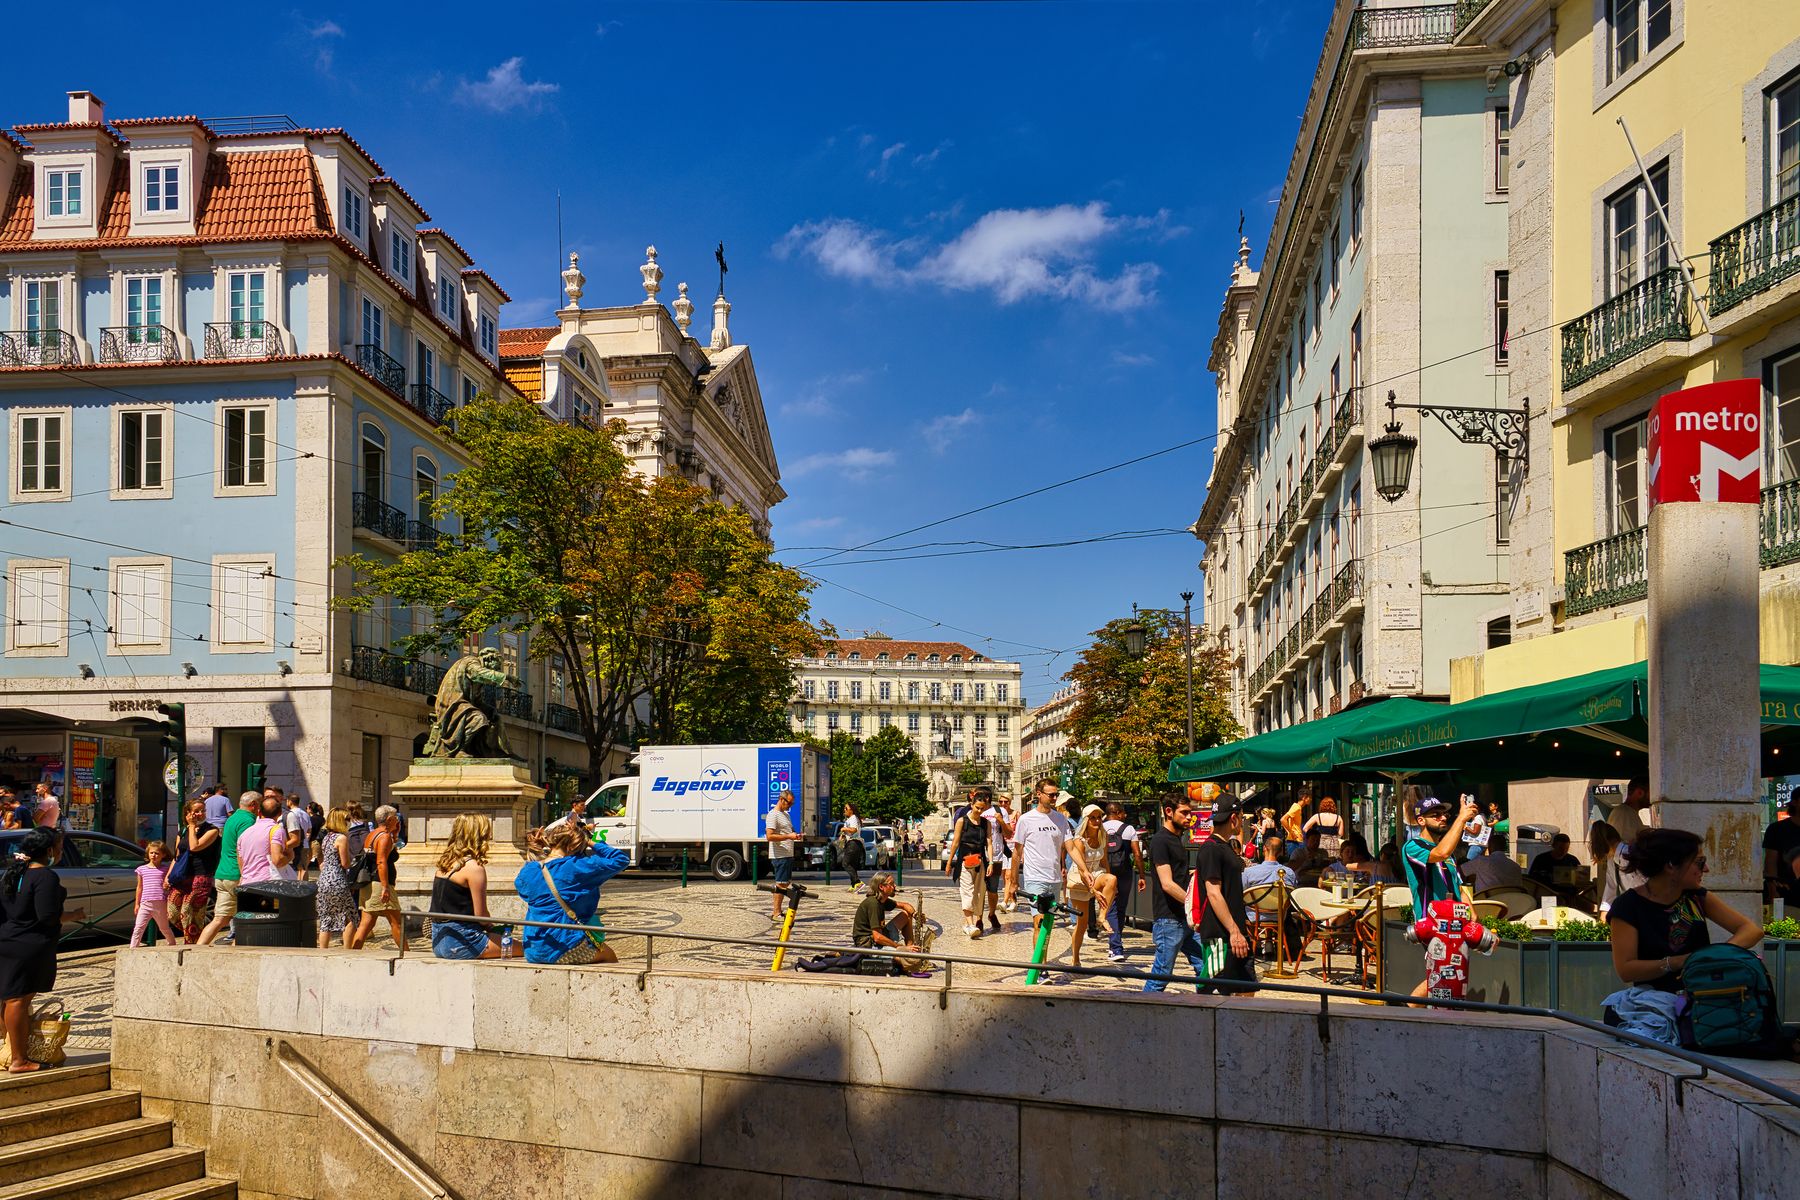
x=1046 y=738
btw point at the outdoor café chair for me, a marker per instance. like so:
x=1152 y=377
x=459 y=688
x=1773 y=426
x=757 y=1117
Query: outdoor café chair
x=1331 y=927
x=1269 y=906
x=1517 y=903
x=1489 y=910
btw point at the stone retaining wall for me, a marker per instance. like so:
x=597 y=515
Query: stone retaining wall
x=513 y=1080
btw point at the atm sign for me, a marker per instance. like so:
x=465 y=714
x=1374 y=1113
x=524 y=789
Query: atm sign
x=1706 y=444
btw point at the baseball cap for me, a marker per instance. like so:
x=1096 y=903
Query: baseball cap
x=1431 y=804
x=1092 y=810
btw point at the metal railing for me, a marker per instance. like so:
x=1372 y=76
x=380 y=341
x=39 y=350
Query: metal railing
x=1641 y=316
x=368 y=512
x=375 y=665
x=562 y=717
x=389 y=372
x=139 y=343
x=359 y=1122
x=1425 y=25
x=1780 y=524
x=1333 y=600
x=430 y=402
x=1755 y=256
x=508 y=702
x=1610 y=571
x=243 y=339
x=1467 y=11
x=38 y=348
x=1323 y=993
x=423 y=535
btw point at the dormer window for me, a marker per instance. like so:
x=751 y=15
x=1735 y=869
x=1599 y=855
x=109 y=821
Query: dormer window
x=856 y=656
x=881 y=657
x=490 y=333
x=447 y=298
x=931 y=658
x=912 y=658
x=353 y=212
x=956 y=658
x=162 y=188
x=62 y=193
x=400 y=254
x=831 y=655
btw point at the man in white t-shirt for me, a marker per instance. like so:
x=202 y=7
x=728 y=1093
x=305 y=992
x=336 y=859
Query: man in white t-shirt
x=782 y=840
x=1628 y=817
x=1040 y=841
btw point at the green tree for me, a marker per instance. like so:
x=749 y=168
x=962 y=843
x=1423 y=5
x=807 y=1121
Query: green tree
x=649 y=591
x=1130 y=718
x=971 y=773
x=882 y=776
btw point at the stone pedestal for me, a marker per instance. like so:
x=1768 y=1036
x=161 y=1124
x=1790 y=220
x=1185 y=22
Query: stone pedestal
x=434 y=792
x=1705 y=706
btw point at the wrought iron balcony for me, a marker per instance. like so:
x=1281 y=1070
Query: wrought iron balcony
x=429 y=401
x=423 y=535
x=1755 y=256
x=561 y=716
x=1425 y=25
x=1308 y=632
x=139 y=343
x=38 y=348
x=368 y=512
x=243 y=339
x=508 y=702
x=375 y=665
x=389 y=372
x=1610 y=571
x=1467 y=11
x=1781 y=524
x=1636 y=319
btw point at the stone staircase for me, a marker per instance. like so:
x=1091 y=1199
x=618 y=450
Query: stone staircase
x=68 y=1134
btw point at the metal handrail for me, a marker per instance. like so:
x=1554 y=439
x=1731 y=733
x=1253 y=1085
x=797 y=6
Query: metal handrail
x=1324 y=993
x=359 y=1122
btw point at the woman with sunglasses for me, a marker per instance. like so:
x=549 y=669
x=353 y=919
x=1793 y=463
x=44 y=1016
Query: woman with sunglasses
x=1656 y=925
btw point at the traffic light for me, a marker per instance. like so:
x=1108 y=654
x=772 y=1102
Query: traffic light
x=254 y=774
x=174 y=742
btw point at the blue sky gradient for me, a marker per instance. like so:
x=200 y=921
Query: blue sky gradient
x=975 y=248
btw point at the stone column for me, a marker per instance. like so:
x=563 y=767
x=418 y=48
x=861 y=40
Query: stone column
x=1705 y=697
x=431 y=796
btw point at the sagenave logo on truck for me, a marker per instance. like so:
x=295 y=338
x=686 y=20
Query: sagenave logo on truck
x=716 y=777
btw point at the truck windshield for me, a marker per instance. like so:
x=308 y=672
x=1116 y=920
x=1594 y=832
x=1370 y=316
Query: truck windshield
x=610 y=802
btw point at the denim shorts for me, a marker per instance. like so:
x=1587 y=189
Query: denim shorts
x=782 y=869
x=456 y=939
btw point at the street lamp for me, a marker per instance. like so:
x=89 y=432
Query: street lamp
x=1134 y=639
x=1506 y=430
x=1187 y=647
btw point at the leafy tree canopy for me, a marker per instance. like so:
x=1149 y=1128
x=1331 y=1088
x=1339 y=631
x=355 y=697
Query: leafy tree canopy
x=882 y=776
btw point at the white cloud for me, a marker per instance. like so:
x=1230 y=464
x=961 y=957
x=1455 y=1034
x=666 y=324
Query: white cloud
x=856 y=463
x=942 y=431
x=601 y=29
x=1132 y=360
x=880 y=169
x=505 y=88
x=1012 y=253
x=325 y=29
x=931 y=155
x=820 y=398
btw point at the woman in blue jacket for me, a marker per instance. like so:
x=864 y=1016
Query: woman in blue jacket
x=562 y=883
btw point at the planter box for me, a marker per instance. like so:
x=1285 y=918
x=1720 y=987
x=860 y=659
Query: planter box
x=1572 y=977
x=1783 y=959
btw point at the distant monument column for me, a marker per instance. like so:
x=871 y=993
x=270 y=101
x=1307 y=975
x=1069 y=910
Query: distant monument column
x=467 y=768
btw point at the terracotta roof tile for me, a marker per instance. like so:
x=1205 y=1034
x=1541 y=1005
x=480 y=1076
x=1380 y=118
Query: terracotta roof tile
x=131 y=122
x=115 y=213
x=390 y=181
x=526 y=343
x=870 y=647
x=483 y=274
x=273 y=194
x=16 y=143
x=440 y=233
x=16 y=219
x=57 y=126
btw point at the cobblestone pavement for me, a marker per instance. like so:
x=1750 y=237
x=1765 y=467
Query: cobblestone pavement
x=663 y=906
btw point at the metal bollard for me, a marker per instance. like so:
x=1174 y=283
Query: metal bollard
x=899 y=870
x=753 y=862
x=684 y=866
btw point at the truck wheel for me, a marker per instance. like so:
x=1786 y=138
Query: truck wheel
x=727 y=865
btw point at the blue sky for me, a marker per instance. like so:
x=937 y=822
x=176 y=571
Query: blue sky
x=975 y=249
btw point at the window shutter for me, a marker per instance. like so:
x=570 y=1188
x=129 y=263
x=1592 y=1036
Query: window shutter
x=42 y=605
x=243 y=603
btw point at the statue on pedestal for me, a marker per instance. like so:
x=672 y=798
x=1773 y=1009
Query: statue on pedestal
x=462 y=726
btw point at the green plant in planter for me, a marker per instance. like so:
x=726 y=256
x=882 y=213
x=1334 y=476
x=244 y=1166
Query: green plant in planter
x=1510 y=931
x=1583 y=931
x=1787 y=929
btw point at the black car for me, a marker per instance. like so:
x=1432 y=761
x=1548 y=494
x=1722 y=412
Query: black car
x=99 y=872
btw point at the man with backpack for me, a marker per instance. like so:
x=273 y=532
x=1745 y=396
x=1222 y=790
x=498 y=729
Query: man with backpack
x=1125 y=859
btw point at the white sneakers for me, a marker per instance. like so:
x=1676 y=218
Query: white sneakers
x=972 y=931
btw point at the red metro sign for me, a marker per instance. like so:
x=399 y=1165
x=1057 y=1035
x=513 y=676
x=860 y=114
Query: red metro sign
x=1706 y=444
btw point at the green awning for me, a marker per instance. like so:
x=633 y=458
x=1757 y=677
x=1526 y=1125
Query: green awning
x=1305 y=750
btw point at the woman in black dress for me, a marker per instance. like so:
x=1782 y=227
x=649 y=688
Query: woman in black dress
x=1656 y=925
x=31 y=917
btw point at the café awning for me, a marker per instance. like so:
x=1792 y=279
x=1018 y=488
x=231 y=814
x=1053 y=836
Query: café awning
x=1587 y=726
x=1306 y=750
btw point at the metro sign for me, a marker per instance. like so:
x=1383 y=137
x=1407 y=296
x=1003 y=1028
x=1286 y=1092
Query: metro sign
x=1706 y=444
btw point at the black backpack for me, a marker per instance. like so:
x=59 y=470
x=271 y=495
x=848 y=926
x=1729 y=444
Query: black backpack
x=1118 y=851
x=1730 y=1005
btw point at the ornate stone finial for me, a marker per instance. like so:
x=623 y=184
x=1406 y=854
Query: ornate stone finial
x=721 y=334
x=652 y=275
x=1243 y=252
x=573 y=280
x=684 y=309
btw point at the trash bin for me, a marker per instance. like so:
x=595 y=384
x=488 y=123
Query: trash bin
x=1533 y=840
x=277 y=912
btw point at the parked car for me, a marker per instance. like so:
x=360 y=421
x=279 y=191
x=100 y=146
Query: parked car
x=881 y=849
x=99 y=873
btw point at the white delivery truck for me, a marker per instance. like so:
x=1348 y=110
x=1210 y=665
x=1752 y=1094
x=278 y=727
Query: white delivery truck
x=711 y=802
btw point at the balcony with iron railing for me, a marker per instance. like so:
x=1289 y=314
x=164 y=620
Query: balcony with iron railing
x=370 y=513
x=1322 y=471
x=429 y=402
x=1336 y=603
x=375 y=665
x=243 y=339
x=139 y=344
x=39 y=348
x=1754 y=257
x=389 y=372
x=1389 y=28
x=562 y=717
x=508 y=702
x=423 y=535
x=1638 y=318
x=1616 y=570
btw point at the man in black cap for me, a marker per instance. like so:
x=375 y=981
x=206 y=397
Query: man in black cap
x=1224 y=925
x=1430 y=858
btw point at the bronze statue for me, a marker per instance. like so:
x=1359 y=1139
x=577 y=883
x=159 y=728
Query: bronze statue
x=461 y=725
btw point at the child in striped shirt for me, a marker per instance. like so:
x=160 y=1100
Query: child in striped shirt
x=153 y=896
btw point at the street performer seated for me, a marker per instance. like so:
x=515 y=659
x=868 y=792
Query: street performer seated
x=873 y=928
